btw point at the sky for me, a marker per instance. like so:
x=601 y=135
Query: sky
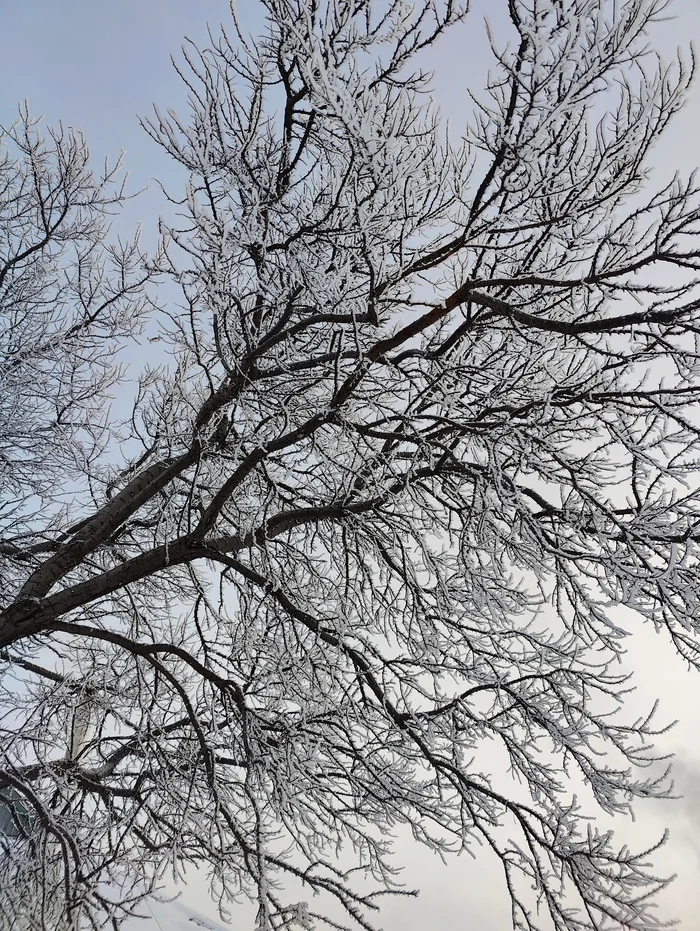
x=96 y=65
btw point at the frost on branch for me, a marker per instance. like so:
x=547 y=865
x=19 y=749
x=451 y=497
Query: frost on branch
x=425 y=419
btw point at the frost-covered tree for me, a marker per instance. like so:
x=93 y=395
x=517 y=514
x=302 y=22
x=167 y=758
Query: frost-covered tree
x=420 y=416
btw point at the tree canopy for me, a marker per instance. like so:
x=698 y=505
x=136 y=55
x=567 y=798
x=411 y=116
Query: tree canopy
x=349 y=480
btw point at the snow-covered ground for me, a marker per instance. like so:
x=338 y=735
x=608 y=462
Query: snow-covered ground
x=172 y=916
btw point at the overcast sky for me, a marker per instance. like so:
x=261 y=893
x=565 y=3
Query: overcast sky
x=96 y=65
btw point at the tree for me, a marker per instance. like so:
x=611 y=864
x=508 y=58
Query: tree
x=422 y=418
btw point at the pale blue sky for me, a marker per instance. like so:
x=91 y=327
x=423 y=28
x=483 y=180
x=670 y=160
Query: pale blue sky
x=96 y=65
